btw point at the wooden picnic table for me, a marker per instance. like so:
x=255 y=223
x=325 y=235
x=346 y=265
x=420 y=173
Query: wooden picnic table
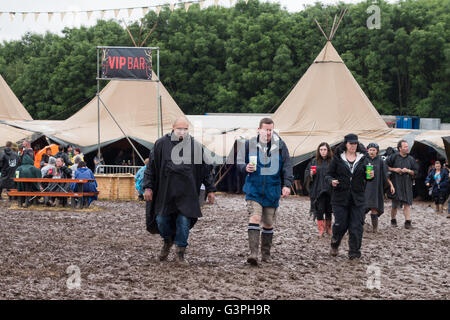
x=63 y=193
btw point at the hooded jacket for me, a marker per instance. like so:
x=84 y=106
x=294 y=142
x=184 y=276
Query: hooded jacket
x=273 y=170
x=352 y=182
x=9 y=160
x=442 y=186
x=27 y=170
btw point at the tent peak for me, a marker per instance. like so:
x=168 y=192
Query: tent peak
x=335 y=25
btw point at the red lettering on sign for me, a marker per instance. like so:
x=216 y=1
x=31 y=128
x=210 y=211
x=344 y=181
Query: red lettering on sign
x=130 y=63
x=136 y=63
x=111 y=62
x=123 y=61
x=142 y=63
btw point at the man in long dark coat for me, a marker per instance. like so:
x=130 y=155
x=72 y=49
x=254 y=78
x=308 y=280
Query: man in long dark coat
x=172 y=184
x=403 y=168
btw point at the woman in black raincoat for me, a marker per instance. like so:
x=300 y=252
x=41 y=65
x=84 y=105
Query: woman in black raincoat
x=320 y=190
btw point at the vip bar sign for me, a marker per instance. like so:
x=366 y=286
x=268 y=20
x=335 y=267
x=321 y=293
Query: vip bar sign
x=126 y=63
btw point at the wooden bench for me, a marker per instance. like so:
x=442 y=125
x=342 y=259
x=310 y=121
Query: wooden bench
x=30 y=195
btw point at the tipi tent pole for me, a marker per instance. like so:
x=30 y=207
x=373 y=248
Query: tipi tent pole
x=321 y=29
x=157 y=95
x=98 y=106
x=126 y=136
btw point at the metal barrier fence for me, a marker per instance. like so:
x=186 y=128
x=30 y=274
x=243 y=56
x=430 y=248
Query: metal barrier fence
x=111 y=169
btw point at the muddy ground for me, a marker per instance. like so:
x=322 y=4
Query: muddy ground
x=42 y=250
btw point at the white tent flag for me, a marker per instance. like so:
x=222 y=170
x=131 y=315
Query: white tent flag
x=24 y=15
x=216 y=3
x=130 y=11
x=12 y=15
x=172 y=6
x=201 y=3
x=158 y=10
x=231 y=3
x=116 y=12
x=36 y=16
x=50 y=16
x=246 y=1
x=187 y=5
x=89 y=14
x=144 y=10
x=74 y=15
x=102 y=14
x=63 y=14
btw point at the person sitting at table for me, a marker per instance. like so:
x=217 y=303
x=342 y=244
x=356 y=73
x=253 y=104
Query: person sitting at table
x=76 y=160
x=61 y=172
x=46 y=156
x=27 y=170
x=84 y=172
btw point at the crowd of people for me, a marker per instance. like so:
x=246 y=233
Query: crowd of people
x=66 y=163
x=346 y=184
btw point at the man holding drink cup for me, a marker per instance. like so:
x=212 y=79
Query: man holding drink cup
x=267 y=163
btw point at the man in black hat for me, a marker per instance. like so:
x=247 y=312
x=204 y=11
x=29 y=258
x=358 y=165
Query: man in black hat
x=347 y=176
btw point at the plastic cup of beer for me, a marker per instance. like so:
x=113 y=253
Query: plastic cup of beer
x=314 y=169
x=254 y=160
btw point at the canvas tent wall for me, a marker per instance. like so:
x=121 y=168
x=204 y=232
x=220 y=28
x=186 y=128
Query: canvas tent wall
x=10 y=106
x=326 y=104
x=132 y=103
x=11 y=109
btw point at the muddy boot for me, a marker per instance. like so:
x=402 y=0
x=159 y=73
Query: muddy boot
x=321 y=227
x=328 y=227
x=394 y=222
x=374 y=218
x=179 y=258
x=266 y=244
x=165 y=249
x=253 y=243
x=408 y=224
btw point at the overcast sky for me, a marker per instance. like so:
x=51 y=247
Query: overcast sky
x=16 y=28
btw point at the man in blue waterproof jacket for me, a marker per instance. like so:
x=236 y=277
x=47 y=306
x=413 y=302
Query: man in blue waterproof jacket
x=266 y=161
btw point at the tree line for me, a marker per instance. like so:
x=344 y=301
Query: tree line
x=248 y=57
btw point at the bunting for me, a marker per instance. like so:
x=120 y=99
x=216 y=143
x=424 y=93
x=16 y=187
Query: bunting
x=102 y=12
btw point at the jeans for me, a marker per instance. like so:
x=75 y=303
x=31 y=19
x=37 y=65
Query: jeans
x=349 y=218
x=174 y=227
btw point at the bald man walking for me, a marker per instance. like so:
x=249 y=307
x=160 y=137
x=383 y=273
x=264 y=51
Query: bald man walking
x=176 y=173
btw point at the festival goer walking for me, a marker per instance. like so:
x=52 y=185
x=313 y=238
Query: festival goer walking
x=319 y=189
x=347 y=175
x=268 y=166
x=403 y=168
x=438 y=179
x=9 y=161
x=375 y=186
x=177 y=170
